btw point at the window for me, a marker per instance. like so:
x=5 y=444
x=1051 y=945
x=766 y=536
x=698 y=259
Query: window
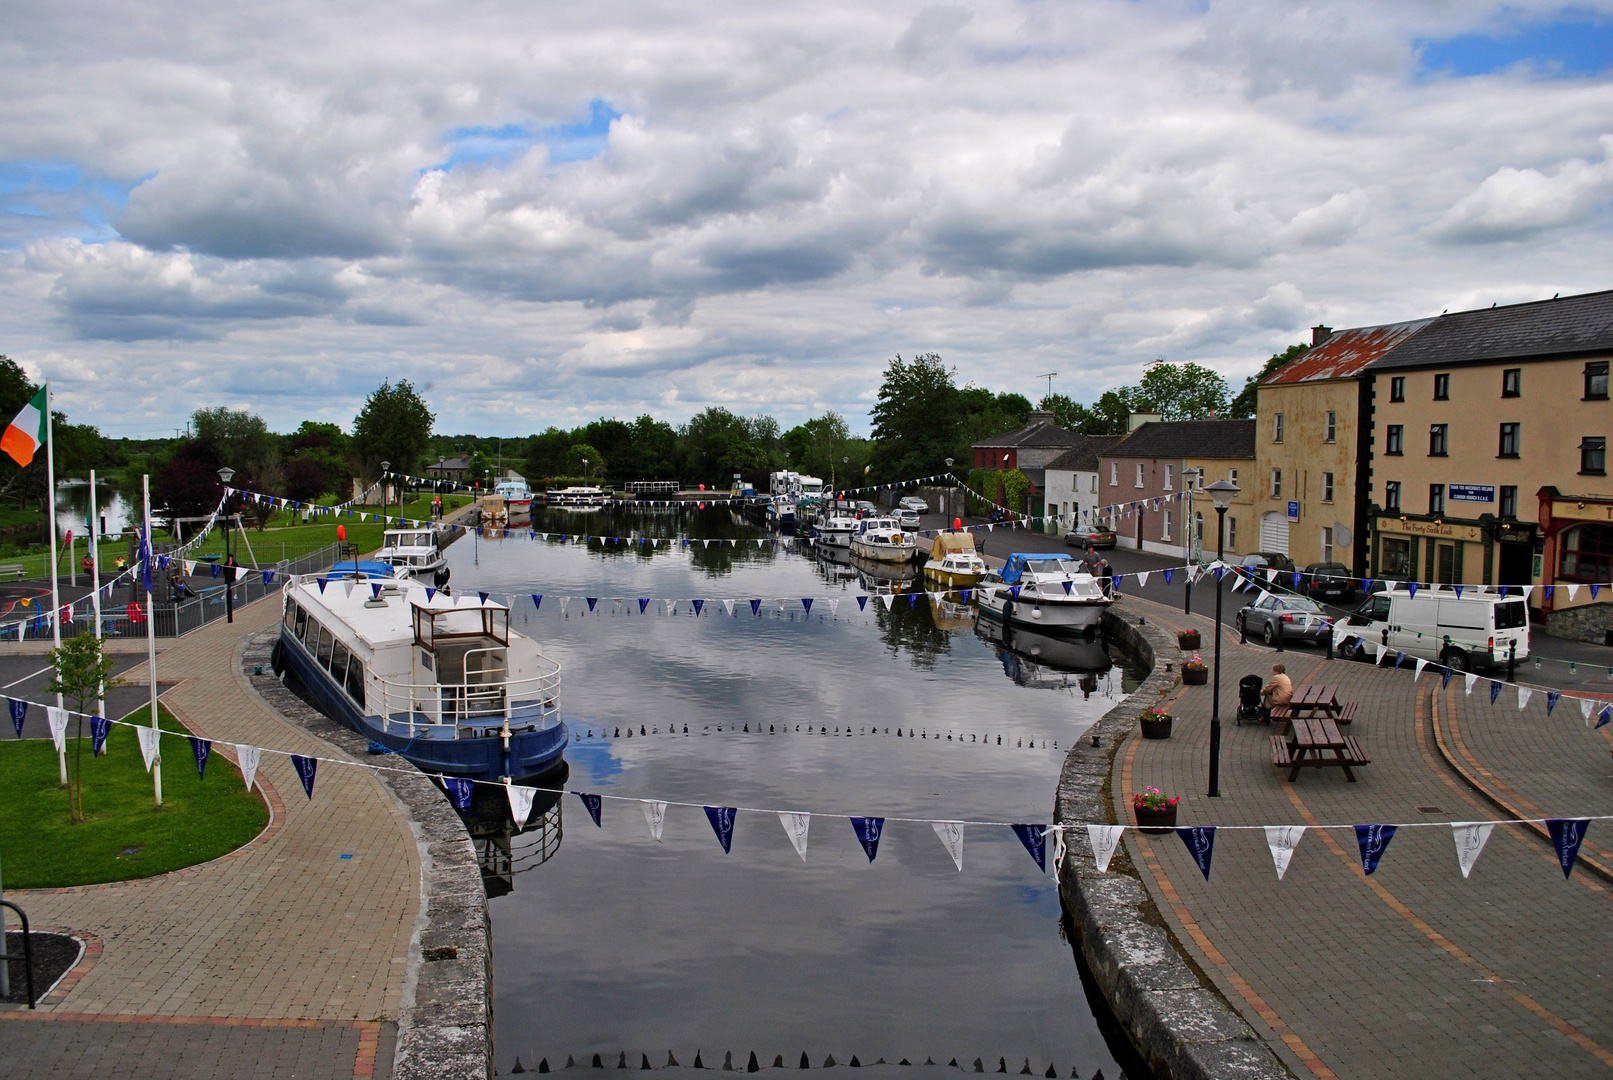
x=338 y=663
x=1114 y=474
x=1397 y=388
x=1232 y=476
x=1276 y=483
x=1587 y=554
x=1509 y=501
x=1168 y=470
x=1330 y=429
x=326 y=641
x=1165 y=529
x=1327 y=544
x=1593 y=456
x=1442 y=387
x=1512 y=382
x=1395 y=562
x=1395 y=441
x=1509 y=440
x=1596 y=381
x=1277 y=428
x=1198 y=528
x=1437 y=439
x=1139 y=474
x=1198 y=480
x=1327 y=493
x=1094 y=483
x=1436 y=498
x=1232 y=533
x=355 y=680
x=1391 y=496
x=302 y=622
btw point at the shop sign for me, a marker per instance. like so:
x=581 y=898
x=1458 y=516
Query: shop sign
x=1479 y=493
x=1293 y=509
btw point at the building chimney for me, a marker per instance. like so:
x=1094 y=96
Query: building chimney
x=1138 y=419
x=1040 y=416
x=1319 y=334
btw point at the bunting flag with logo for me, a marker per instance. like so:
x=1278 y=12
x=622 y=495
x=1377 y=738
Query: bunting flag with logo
x=1034 y=837
x=1471 y=836
x=100 y=727
x=459 y=791
x=868 y=830
x=57 y=718
x=795 y=827
x=654 y=817
x=1200 y=843
x=249 y=757
x=199 y=749
x=722 y=823
x=1566 y=836
x=1105 y=839
x=950 y=833
x=1282 y=840
x=306 y=768
x=1373 y=840
x=1552 y=697
x=19 y=714
x=1495 y=690
x=148 y=744
x=520 y=803
x=593 y=802
x=1058 y=851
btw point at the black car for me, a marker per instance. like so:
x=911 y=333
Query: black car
x=1329 y=581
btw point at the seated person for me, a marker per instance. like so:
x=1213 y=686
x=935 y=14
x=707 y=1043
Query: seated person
x=1279 y=691
x=181 y=591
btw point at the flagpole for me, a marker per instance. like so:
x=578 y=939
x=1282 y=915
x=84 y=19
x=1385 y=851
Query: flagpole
x=55 y=581
x=94 y=539
x=151 y=635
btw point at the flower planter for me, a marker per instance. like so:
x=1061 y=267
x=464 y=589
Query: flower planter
x=1195 y=676
x=1187 y=639
x=1157 y=729
x=1155 y=821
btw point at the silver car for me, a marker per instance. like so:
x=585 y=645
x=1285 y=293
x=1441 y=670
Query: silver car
x=915 y=504
x=906 y=518
x=1294 y=617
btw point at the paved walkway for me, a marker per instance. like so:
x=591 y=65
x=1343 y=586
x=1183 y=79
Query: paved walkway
x=1414 y=971
x=283 y=951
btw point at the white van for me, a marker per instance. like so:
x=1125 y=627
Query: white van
x=1471 y=632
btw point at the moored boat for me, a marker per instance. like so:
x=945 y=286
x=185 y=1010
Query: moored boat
x=576 y=496
x=495 y=511
x=881 y=539
x=517 y=500
x=416 y=551
x=1043 y=589
x=833 y=529
x=954 y=562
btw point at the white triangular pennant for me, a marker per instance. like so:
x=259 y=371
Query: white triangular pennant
x=654 y=817
x=728 y=607
x=1282 y=840
x=887 y=599
x=1471 y=837
x=795 y=827
x=1105 y=839
x=950 y=834
x=248 y=758
x=1472 y=681
x=1524 y=694
x=57 y=718
x=1418 y=673
x=148 y=743
x=1142 y=577
x=834 y=608
x=520 y=803
x=1585 y=706
x=565 y=602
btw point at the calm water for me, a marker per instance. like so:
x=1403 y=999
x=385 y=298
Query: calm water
x=608 y=941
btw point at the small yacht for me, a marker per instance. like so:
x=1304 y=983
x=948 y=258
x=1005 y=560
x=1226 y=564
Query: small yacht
x=881 y=539
x=833 y=528
x=954 y=562
x=780 y=512
x=415 y=551
x=441 y=680
x=576 y=496
x=1048 y=590
x=517 y=500
x=495 y=511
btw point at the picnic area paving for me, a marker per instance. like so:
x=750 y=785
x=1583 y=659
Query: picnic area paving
x=1412 y=971
x=288 y=956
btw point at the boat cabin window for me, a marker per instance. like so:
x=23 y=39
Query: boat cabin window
x=302 y=621
x=338 y=662
x=436 y=627
x=326 y=640
x=310 y=633
x=355 y=680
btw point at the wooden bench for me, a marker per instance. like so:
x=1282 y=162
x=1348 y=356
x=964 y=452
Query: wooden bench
x=1279 y=751
x=1282 y=712
x=1352 y=749
x=13 y=570
x=1346 y=714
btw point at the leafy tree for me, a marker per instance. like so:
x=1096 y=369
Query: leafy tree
x=394 y=425
x=1246 y=404
x=239 y=439
x=188 y=484
x=653 y=451
x=916 y=418
x=718 y=443
x=546 y=454
x=1109 y=415
x=477 y=470
x=817 y=447
x=79 y=671
x=584 y=460
x=984 y=414
x=612 y=441
x=306 y=478
x=1179 y=392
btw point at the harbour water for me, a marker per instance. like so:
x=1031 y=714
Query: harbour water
x=607 y=942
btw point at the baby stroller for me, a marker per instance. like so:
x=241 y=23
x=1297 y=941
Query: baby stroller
x=1249 y=700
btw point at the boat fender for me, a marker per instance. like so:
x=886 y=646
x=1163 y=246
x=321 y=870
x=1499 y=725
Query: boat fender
x=641 y=729
x=1036 y=613
x=442 y=577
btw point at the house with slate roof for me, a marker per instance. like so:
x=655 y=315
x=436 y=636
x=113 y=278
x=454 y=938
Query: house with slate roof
x=1071 y=480
x=1145 y=498
x=1028 y=449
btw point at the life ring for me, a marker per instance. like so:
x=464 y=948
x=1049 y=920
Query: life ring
x=135 y=612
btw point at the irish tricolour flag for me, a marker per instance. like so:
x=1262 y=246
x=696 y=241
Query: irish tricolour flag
x=27 y=432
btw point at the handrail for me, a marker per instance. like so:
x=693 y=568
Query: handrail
x=27 y=948
x=465 y=700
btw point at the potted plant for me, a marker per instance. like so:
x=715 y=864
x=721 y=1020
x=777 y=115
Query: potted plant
x=1156 y=724
x=1195 y=672
x=1155 y=813
x=1187 y=640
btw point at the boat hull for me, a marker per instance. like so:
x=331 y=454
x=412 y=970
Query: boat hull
x=883 y=553
x=953 y=579
x=1045 y=614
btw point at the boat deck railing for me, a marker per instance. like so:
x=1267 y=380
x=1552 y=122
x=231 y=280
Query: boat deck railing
x=473 y=707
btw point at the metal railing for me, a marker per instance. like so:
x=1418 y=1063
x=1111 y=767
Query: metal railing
x=436 y=707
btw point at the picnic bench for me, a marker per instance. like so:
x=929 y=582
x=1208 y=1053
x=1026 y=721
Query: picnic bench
x=1315 y=700
x=13 y=570
x=1317 y=742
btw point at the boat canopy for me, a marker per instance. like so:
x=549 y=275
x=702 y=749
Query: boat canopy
x=1020 y=561
x=946 y=543
x=364 y=568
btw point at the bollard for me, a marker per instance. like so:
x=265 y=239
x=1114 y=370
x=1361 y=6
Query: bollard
x=1512 y=661
x=1280 y=635
x=1187 y=605
x=1330 y=643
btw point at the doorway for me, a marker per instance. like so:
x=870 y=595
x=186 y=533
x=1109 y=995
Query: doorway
x=1514 y=564
x=1445 y=564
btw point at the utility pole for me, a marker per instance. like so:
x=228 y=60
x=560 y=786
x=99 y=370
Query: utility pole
x=1049 y=376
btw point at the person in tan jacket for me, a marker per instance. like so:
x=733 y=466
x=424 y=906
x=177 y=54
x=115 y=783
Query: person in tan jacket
x=1279 y=691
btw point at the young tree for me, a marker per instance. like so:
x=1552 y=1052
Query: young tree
x=546 y=454
x=393 y=426
x=188 y=484
x=916 y=419
x=79 y=670
x=1247 y=402
x=583 y=460
x=1179 y=391
x=239 y=439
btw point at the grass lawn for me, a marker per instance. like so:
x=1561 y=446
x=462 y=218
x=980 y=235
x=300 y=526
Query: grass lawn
x=123 y=834
x=287 y=536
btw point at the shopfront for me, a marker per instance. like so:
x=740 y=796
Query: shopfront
x=1421 y=549
x=1576 y=558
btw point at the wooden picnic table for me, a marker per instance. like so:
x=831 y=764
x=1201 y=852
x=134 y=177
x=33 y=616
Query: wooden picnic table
x=1316 y=700
x=1318 y=743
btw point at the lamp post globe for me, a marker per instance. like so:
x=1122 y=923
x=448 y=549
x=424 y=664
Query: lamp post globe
x=1222 y=492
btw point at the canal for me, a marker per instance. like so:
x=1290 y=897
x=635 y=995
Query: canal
x=607 y=942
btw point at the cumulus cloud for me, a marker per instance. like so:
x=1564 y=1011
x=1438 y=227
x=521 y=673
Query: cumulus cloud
x=1513 y=204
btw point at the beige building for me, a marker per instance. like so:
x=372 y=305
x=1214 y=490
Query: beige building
x=1308 y=483
x=1488 y=435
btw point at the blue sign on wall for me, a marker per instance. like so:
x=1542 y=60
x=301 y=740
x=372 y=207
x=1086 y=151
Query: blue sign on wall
x=1293 y=510
x=1472 y=493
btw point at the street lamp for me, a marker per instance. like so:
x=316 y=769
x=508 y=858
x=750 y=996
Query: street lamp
x=954 y=479
x=1189 y=479
x=1222 y=492
x=386 y=467
x=227 y=474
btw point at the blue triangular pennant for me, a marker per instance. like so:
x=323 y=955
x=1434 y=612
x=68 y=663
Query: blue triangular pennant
x=699 y=605
x=643 y=602
x=19 y=714
x=1551 y=591
x=965 y=594
x=1603 y=717
x=592 y=600
x=430 y=593
x=912 y=599
x=722 y=823
x=1034 y=837
x=1458 y=589
x=459 y=791
x=1200 y=841
x=1400 y=658
x=1566 y=836
x=268 y=577
x=1411 y=588
x=322 y=581
x=1294 y=583
x=1067 y=585
x=1218 y=571
x=217 y=570
x=1013 y=590
x=1495 y=690
x=1551 y=700
x=100 y=727
x=1168 y=575
x=862 y=603
x=1445 y=677
x=537 y=600
x=1594 y=590
x=594 y=803
x=868 y=830
x=375 y=589
x=1373 y=840
x=806 y=603
x=483 y=597
x=199 y=749
x=306 y=767
x=1366 y=585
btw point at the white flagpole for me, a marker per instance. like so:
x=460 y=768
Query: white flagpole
x=94 y=539
x=151 y=636
x=55 y=583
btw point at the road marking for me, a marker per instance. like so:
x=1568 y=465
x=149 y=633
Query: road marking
x=25 y=678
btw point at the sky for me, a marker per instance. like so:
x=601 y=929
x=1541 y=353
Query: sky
x=545 y=215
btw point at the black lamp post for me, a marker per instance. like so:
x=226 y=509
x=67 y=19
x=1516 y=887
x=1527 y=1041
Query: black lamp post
x=227 y=474
x=1222 y=493
x=954 y=480
x=386 y=467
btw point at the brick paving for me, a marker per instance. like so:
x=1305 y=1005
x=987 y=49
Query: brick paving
x=1413 y=971
x=280 y=954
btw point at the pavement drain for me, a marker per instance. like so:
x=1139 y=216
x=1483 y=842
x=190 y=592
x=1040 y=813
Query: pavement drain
x=1429 y=810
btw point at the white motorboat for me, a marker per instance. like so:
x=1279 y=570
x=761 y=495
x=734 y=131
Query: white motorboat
x=577 y=495
x=415 y=551
x=1048 y=590
x=781 y=512
x=881 y=539
x=834 y=529
x=517 y=500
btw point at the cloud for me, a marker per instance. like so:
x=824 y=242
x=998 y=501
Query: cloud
x=1514 y=204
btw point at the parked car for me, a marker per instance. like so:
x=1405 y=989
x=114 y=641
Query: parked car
x=865 y=508
x=1474 y=631
x=1085 y=536
x=1256 y=563
x=907 y=518
x=915 y=504
x=1329 y=581
x=1294 y=617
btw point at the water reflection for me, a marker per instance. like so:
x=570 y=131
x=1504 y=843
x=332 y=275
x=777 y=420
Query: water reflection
x=73 y=508
x=503 y=850
x=1070 y=663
